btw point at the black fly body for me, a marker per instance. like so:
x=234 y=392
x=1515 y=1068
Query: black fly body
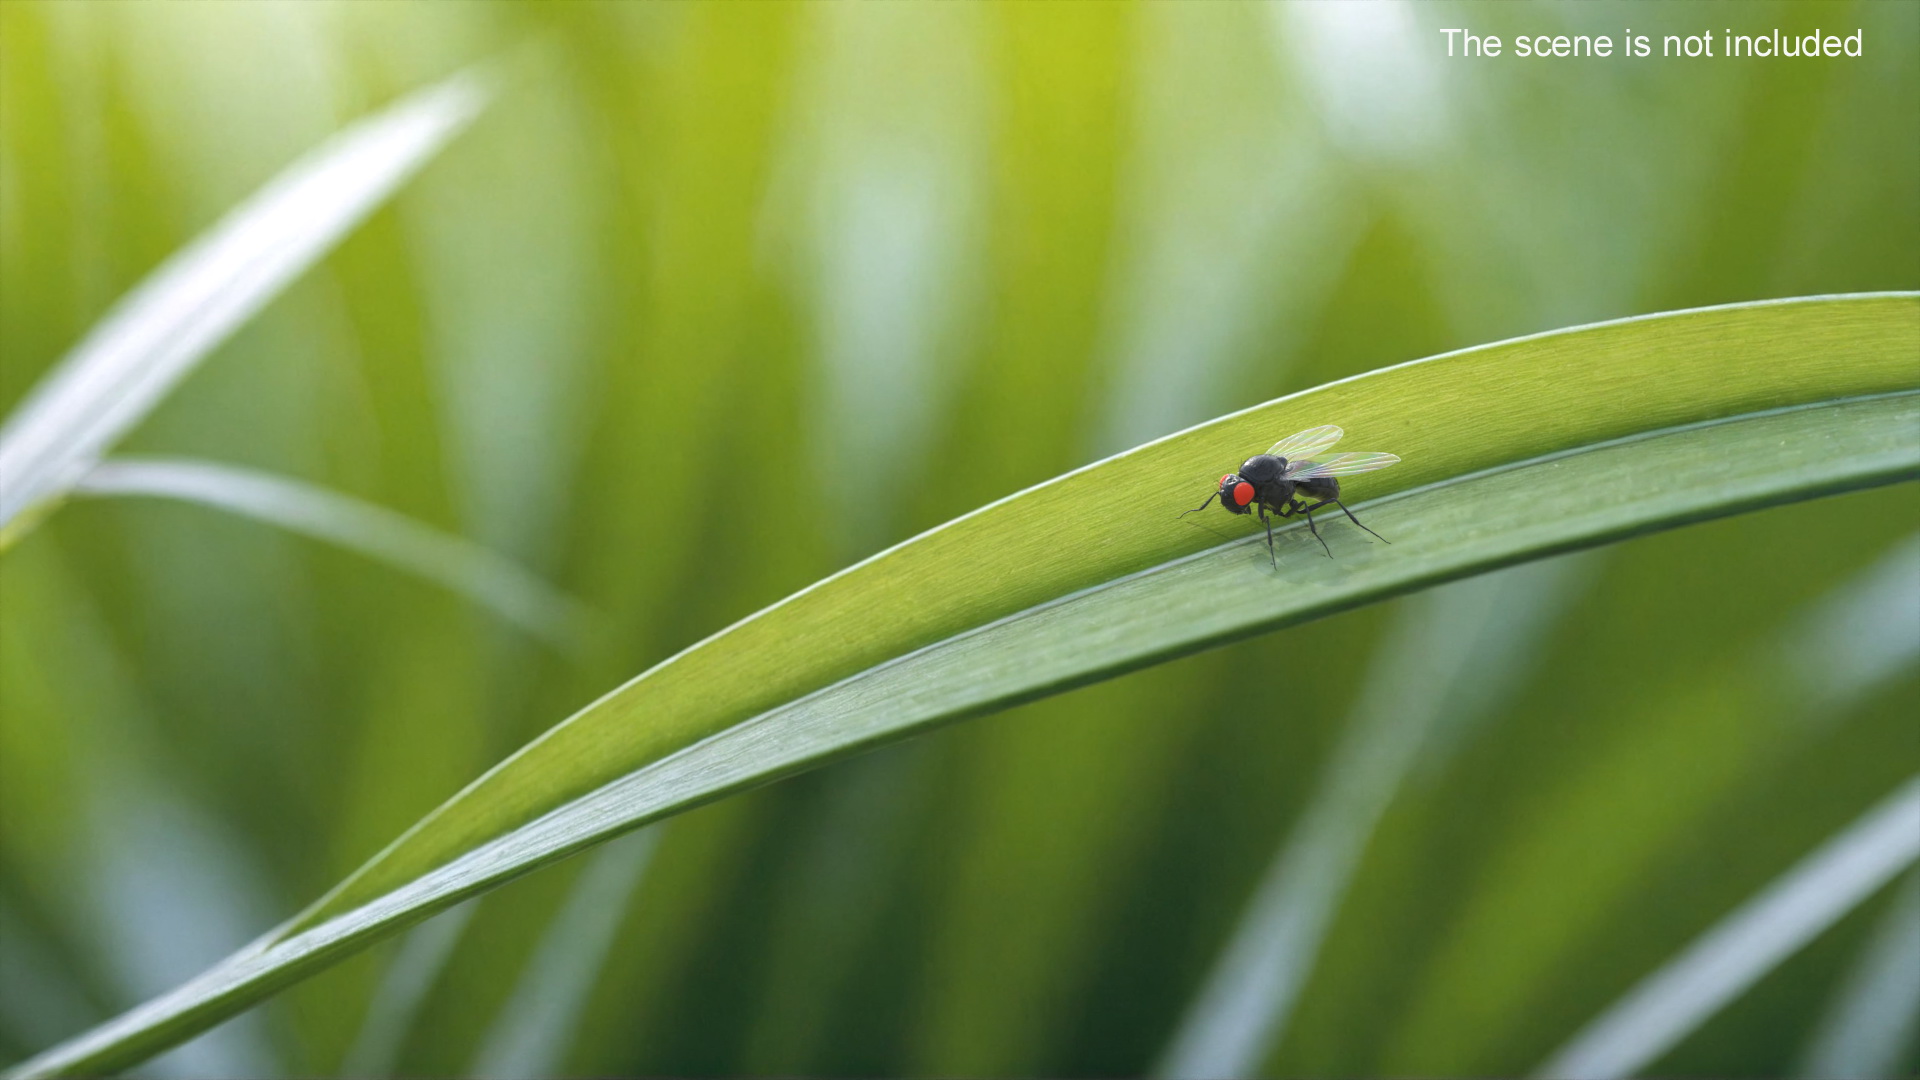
x=1288 y=480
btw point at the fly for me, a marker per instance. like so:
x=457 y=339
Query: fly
x=1276 y=481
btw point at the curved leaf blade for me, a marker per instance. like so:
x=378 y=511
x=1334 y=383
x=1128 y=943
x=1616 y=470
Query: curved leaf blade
x=1448 y=416
x=1515 y=451
x=182 y=311
x=1761 y=460
x=483 y=576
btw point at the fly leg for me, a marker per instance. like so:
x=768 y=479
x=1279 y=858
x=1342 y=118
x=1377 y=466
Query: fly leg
x=1269 y=524
x=1308 y=510
x=1299 y=507
x=1356 y=521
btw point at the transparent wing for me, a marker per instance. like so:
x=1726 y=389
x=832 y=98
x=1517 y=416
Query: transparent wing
x=1307 y=443
x=1341 y=465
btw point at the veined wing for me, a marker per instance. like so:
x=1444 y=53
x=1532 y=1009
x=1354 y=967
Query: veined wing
x=1340 y=465
x=1307 y=443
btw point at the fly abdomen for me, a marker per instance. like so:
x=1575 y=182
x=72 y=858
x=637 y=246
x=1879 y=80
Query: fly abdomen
x=1319 y=488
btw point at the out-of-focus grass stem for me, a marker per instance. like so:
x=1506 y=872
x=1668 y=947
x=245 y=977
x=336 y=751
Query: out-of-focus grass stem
x=1482 y=633
x=486 y=578
x=1670 y=1003
x=160 y=331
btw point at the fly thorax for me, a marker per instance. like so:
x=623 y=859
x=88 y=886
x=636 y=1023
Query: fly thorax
x=1264 y=468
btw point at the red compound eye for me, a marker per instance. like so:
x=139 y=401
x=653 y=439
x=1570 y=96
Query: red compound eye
x=1222 y=482
x=1242 y=493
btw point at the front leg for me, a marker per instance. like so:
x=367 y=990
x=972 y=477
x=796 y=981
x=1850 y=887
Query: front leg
x=1264 y=520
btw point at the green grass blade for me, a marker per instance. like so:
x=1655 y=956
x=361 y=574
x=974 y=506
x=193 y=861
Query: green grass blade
x=1846 y=645
x=409 y=977
x=1670 y=1003
x=530 y=1035
x=1513 y=452
x=1797 y=684
x=1877 y=1007
x=1859 y=637
x=1454 y=656
x=161 y=330
x=1448 y=417
x=485 y=577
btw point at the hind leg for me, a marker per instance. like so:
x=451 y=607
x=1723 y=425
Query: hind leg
x=1299 y=507
x=1356 y=521
x=1308 y=510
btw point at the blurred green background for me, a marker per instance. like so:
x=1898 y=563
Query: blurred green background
x=716 y=299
